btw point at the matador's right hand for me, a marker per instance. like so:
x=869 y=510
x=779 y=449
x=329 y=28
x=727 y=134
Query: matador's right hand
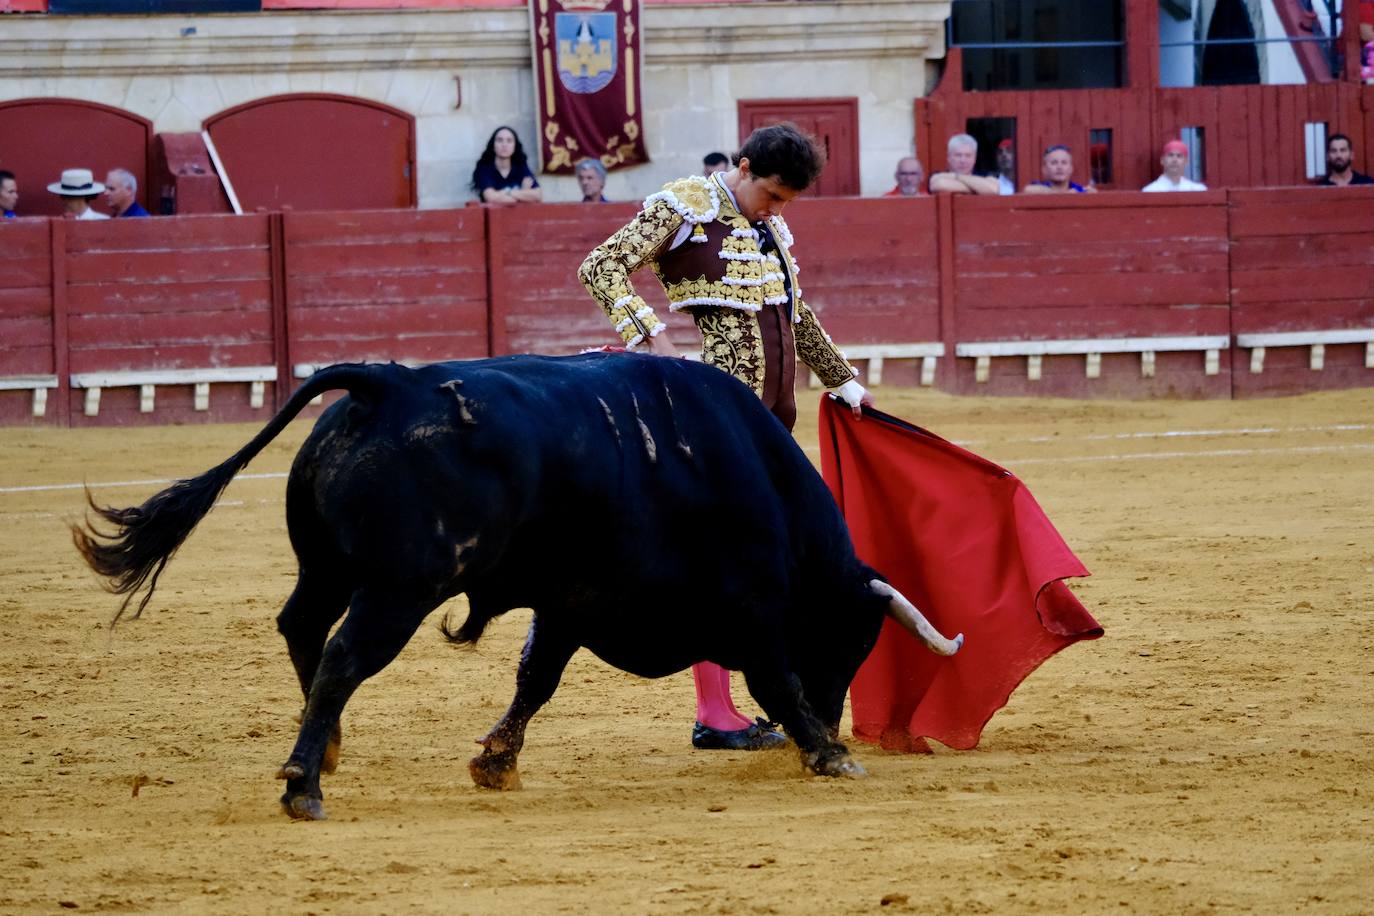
x=660 y=345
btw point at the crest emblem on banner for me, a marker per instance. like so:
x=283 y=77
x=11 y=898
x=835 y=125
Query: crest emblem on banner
x=587 y=56
x=586 y=50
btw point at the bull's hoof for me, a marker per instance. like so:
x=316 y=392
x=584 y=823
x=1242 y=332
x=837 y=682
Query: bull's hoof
x=845 y=766
x=303 y=807
x=330 y=762
x=291 y=770
x=495 y=771
x=840 y=764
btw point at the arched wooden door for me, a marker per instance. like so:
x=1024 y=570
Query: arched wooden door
x=45 y=136
x=314 y=151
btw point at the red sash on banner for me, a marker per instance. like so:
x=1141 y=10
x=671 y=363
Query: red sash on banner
x=586 y=82
x=967 y=543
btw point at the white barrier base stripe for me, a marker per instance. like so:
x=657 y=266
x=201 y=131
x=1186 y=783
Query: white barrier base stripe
x=1082 y=346
x=127 y=483
x=173 y=377
x=1178 y=434
x=1305 y=338
x=1213 y=453
x=26 y=382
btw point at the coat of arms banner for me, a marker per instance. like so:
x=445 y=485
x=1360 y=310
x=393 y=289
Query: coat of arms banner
x=586 y=82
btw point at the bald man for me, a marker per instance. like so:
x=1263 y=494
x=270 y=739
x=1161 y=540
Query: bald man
x=910 y=176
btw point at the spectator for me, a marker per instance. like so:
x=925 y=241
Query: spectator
x=1006 y=167
x=910 y=175
x=502 y=175
x=591 y=178
x=9 y=194
x=120 y=188
x=1366 y=21
x=962 y=153
x=715 y=162
x=78 y=188
x=1338 y=171
x=1056 y=169
x=1174 y=162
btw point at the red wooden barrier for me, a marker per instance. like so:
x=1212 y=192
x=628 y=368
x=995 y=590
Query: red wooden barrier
x=1302 y=261
x=409 y=286
x=26 y=318
x=870 y=270
x=155 y=295
x=1094 y=282
x=1076 y=267
x=537 y=303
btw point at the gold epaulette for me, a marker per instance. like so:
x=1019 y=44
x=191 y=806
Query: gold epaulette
x=695 y=199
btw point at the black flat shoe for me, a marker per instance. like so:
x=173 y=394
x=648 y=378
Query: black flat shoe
x=756 y=737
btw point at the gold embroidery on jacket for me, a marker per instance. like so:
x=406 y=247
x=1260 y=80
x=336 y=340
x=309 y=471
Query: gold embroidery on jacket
x=730 y=341
x=724 y=311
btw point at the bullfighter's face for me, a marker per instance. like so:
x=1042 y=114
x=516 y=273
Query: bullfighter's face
x=761 y=197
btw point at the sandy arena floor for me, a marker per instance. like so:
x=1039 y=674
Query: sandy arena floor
x=1212 y=754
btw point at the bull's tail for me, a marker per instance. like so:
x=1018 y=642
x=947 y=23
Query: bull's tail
x=132 y=557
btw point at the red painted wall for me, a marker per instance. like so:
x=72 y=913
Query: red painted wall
x=537 y=302
x=1302 y=260
x=386 y=285
x=1084 y=266
x=281 y=289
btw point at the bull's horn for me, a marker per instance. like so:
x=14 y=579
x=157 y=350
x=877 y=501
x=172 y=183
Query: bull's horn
x=915 y=623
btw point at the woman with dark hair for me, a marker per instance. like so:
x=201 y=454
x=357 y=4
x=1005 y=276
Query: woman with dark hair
x=502 y=176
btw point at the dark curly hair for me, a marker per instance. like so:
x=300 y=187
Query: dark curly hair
x=783 y=152
x=488 y=157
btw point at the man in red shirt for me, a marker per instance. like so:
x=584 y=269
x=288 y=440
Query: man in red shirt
x=910 y=176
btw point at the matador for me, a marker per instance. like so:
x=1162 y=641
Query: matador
x=723 y=254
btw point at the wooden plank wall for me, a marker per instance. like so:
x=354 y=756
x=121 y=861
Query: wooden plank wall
x=1253 y=135
x=26 y=313
x=872 y=272
x=279 y=289
x=161 y=294
x=1089 y=266
x=537 y=302
x=403 y=285
x=1300 y=260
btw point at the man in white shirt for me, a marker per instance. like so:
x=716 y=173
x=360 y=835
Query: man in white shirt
x=962 y=153
x=77 y=189
x=1006 y=167
x=1175 y=163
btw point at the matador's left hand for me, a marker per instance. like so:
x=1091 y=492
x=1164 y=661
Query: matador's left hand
x=856 y=396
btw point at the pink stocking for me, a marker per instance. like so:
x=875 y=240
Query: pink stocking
x=715 y=709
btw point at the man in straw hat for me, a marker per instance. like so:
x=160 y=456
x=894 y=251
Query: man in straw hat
x=77 y=189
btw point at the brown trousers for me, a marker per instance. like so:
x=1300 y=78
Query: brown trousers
x=780 y=365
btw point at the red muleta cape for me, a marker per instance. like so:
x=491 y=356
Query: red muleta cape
x=968 y=544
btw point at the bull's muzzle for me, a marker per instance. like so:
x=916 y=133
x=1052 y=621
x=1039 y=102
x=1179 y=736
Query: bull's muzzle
x=915 y=623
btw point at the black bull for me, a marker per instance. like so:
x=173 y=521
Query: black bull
x=648 y=509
